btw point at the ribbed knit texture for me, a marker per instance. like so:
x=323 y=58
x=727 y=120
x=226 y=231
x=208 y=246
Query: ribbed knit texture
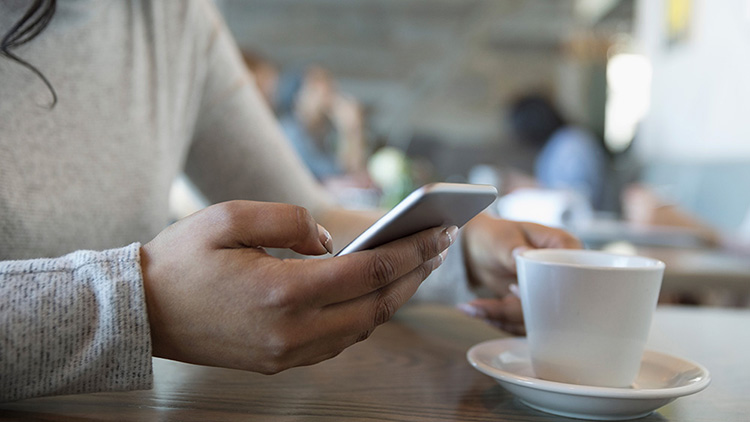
x=87 y=331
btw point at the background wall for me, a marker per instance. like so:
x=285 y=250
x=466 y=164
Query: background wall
x=701 y=84
x=437 y=74
x=441 y=71
x=695 y=140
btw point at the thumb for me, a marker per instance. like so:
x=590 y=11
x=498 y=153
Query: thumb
x=506 y=309
x=505 y=313
x=238 y=224
x=514 y=253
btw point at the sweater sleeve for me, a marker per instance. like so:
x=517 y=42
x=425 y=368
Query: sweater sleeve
x=238 y=147
x=74 y=324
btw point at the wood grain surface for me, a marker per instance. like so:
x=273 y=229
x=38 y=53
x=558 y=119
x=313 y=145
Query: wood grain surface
x=413 y=368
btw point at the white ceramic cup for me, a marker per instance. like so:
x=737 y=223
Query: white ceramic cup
x=587 y=313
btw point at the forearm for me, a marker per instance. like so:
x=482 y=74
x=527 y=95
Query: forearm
x=74 y=324
x=352 y=150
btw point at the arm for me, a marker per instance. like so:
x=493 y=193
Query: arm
x=215 y=297
x=238 y=148
x=203 y=291
x=87 y=322
x=239 y=152
x=74 y=324
x=347 y=116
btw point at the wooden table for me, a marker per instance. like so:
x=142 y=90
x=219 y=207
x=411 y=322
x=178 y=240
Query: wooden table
x=692 y=265
x=702 y=269
x=411 y=369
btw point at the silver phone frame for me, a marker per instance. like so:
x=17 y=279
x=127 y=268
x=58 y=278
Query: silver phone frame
x=432 y=205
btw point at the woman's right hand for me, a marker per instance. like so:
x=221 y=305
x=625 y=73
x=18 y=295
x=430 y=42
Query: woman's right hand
x=215 y=297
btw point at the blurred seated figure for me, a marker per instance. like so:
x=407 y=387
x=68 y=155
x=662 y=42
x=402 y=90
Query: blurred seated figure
x=325 y=127
x=641 y=205
x=569 y=157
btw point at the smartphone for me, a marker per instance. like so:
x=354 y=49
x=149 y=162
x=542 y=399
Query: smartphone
x=432 y=205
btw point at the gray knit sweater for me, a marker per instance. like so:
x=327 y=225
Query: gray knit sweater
x=146 y=89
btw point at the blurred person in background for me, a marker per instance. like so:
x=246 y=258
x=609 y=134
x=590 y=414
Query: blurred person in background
x=642 y=205
x=569 y=156
x=92 y=281
x=326 y=127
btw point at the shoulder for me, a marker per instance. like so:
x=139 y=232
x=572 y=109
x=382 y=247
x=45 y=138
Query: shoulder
x=180 y=22
x=574 y=140
x=573 y=135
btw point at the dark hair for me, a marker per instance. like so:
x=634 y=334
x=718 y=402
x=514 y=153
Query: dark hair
x=533 y=119
x=33 y=22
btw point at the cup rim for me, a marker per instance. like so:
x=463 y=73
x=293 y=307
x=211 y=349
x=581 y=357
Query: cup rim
x=529 y=255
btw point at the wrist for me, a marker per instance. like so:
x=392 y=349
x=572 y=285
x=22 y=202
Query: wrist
x=149 y=296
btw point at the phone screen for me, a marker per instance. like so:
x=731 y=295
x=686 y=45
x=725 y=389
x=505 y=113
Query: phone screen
x=433 y=205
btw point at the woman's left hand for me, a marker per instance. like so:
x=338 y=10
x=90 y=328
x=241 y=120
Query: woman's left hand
x=490 y=246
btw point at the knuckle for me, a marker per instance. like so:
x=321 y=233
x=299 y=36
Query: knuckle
x=333 y=351
x=566 y=239
x=270 y=368
x=302 y=218
x=382 y=269
x=571 y=242
x=424 y=270
x=282 y=296
x=280 y=350
x=385 y=308
x=364 y=335
x=227 y=212
x=425 y=247
x=332 y=354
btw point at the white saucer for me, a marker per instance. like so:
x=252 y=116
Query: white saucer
x=662 y=379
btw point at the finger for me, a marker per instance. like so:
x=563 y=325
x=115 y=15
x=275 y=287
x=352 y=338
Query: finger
x=350 y=276
x=333 y=328
x=325 y=238
x=504 y=314
x=237 y=224
x=360 y=316
x=505 y=245
x=504 y=310
x=537 y=236
x=508 y=327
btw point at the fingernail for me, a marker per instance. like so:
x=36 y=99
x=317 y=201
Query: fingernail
x=471 y=310
x=514 y=290
x=325 y=238
x=451 y=235
x=519 y=250
x=436 y=261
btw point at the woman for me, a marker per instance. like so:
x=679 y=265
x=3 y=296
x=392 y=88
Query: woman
x=91 y=289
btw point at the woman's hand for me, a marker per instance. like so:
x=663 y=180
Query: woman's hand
x=215 y=297
x=490 y=246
